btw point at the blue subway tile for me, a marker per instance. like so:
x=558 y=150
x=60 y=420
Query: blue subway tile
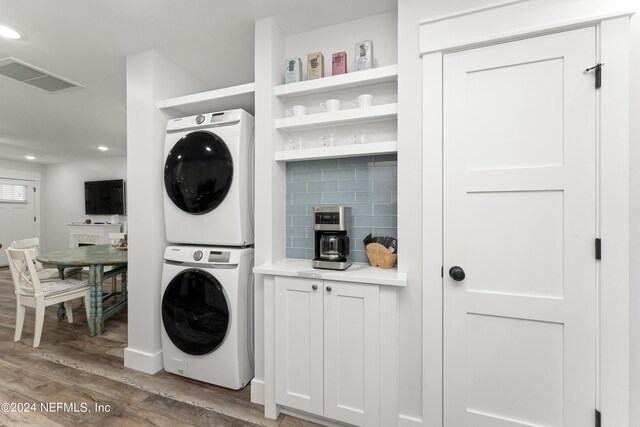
x=362 y=173
x=373 y=221
x=296 y=209
x=359 y=256
x=366 y=209
x=323 y=186
x=310 y=254
x=355 y=186
x=389 y=210
x=307 y=198
x=338 y=198
x=385 y=160
x=293 y=231
x=296 y=187
x=301 y=220
x=302 y=242
x=296 y=253
x=379 y=173
x=373 y=197
x=296 y=166
x=356 y=162
x=385 y=185
x=323 y=164
x=306 y=176
x=338 y=174
x=359 y=233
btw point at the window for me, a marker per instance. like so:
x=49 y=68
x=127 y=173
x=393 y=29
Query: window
x=11 y=193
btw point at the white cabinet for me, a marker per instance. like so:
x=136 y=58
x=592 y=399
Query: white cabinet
x=327 y=348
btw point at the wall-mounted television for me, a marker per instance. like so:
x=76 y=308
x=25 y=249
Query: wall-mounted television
x=105 y=197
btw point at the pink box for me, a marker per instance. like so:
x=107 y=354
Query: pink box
x=338 y=63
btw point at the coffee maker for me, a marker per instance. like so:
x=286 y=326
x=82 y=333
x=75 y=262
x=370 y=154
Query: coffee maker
x=332 y=225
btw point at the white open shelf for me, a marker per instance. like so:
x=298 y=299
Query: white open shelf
x=342 y=117
x=241 y=96
x=351 y=150
x=354 y=79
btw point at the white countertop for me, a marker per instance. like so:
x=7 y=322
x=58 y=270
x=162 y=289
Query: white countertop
x=357 y=272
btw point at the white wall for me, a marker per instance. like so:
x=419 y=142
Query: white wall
x=380 y=29
x=150 y=77
x=410 y=12
x=20 y=170
x=63 y=196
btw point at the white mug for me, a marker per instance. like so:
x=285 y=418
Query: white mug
x=294 y=143
x=330 y=105
x=296 y=111
x=363 y=101
x=327 y=141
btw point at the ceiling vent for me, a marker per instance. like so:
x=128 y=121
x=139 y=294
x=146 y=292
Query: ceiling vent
x=32 y=76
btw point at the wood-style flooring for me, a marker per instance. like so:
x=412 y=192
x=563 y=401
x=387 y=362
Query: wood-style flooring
x=70 y=367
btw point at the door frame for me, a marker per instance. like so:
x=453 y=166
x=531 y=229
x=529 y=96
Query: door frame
x=486 y=26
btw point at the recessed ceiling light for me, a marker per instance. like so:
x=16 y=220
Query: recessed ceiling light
x=103 y=148
x=30 y=157
x=9 y=32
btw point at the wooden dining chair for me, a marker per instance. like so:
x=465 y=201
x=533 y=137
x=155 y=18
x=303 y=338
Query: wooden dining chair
x=31 y=292
x=44 y=274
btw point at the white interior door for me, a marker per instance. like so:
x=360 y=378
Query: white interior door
x=17 y=213
x=520 y=219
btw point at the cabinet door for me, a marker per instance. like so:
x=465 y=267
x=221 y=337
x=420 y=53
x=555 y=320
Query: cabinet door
x=352 y=353
x=298 y=347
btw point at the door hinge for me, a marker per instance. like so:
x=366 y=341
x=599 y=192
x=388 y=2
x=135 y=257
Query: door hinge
x=598 y=418
x=598 y=72
x=442 y=271
x=34 y=189
x=598 y=248
x=34 y=219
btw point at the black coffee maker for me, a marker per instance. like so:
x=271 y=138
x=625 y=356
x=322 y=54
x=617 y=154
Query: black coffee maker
x=332 y=225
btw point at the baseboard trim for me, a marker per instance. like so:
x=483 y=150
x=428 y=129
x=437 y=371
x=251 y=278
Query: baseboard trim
x=407 y=421
x=257 y=391
x=142 y=361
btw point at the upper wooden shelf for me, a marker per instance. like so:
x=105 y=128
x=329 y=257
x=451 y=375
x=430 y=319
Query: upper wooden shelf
x=229 y=98
x=342 y=81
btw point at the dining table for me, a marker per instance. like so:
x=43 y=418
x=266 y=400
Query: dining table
x=96 y=257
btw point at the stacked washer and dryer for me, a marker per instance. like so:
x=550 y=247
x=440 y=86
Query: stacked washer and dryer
x=207 y=279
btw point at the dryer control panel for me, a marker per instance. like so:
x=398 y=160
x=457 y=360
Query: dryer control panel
x=204 y=255
x=219 y=118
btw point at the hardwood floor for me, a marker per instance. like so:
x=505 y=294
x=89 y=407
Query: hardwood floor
x=76 y=379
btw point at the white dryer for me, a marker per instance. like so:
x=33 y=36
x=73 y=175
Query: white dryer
x=208 y=179
x=207 y=314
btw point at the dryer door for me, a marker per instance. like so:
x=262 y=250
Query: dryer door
x=195 y=312
x=198 y=172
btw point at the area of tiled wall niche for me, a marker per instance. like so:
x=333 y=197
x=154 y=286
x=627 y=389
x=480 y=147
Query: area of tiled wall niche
x=367 y=184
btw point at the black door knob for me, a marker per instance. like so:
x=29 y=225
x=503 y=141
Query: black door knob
x=457 y=273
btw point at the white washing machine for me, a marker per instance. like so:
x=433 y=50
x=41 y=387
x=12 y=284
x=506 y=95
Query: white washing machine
x=207 y=314
x=208 y=179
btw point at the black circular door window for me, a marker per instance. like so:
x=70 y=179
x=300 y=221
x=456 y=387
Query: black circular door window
x=198 y=172
x=195 y=312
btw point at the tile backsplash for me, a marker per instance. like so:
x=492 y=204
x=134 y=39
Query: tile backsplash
x=367 y=184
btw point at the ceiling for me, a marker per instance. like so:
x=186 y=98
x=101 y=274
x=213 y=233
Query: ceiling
x=87 y=42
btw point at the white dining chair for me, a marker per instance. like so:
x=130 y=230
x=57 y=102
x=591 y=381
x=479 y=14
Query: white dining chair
x=31 y=292
x=44 y=274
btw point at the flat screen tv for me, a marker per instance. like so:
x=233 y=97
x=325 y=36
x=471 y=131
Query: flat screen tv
x=105 y=197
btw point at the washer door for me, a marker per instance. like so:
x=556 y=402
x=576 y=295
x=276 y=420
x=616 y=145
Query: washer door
x=195 y=312
x=198 y=172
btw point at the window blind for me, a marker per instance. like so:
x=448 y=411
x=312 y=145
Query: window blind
x=11 y=193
